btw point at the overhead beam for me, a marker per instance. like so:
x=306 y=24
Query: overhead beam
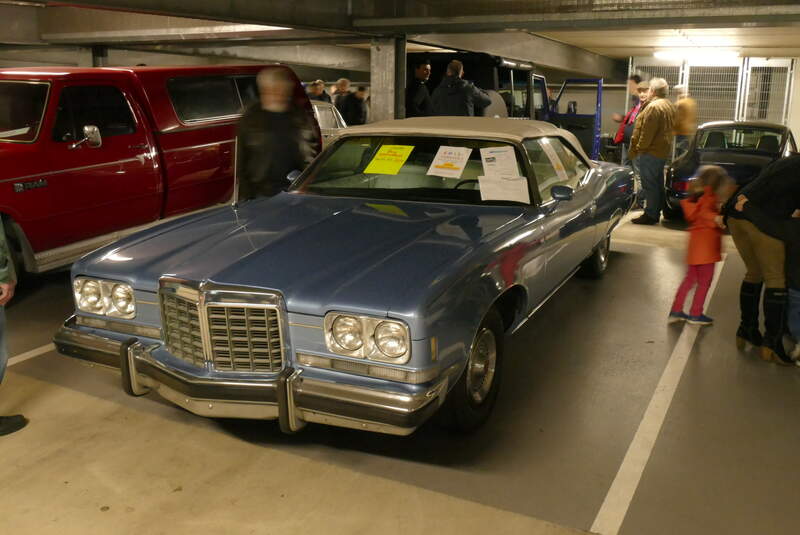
x=533 y=48
x=309 y=14
x=20 y=24
x=324 y=56
x=80 y=25
x=587 y=20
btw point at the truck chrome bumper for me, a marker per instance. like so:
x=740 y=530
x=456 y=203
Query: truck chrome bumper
x=292 y=397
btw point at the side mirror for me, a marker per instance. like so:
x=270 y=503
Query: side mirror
x=91 y=137
x=293 y=175
x=562 y=193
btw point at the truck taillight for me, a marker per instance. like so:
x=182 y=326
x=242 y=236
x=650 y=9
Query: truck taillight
x=680 y=185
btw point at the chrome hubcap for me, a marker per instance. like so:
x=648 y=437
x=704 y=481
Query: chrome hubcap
x=481 y=366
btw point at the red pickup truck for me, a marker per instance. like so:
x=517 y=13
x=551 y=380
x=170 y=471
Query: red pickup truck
x=89 y=155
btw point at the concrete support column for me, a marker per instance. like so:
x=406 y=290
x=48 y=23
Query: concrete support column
x=387 y=78
x=99 y=56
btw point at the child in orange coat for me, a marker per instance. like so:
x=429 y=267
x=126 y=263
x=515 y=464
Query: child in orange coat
x=701 y=211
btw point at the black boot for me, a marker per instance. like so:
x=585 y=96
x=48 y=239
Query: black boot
x=11 y=424
x=775 y=304
x=749 y=304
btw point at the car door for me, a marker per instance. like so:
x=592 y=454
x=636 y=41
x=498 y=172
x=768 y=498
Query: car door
x=328 y=121
x=568 y=227
x=98 y=190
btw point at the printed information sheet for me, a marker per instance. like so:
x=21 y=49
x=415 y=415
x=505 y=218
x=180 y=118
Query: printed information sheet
x=389 y=159
x=499 y=161
x=449 y=162
x=504 y=188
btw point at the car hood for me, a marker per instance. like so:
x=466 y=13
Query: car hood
x=321 y=253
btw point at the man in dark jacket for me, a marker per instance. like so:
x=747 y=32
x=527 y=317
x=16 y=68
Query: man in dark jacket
x=418 y=99
x=354 y=107
x=787 y=230
x=776 y=192
x=274 y=137
x=456 y=96
x=316 y=91
x=8 y=424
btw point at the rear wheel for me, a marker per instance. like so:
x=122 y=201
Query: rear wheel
x=595 y=266
x=470 y=402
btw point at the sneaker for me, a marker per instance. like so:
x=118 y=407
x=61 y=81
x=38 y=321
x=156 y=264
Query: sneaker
x=702 y=319
x=11 y=424
x=676 y=316
x=644 y=219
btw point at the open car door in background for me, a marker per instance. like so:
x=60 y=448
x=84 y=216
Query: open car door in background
x=578 y=108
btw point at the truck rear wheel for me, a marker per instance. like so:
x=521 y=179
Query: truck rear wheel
x=471 y=400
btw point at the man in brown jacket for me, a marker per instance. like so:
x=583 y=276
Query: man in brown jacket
x=651 y=145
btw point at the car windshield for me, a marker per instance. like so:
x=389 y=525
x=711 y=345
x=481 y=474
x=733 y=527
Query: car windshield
x=412 y=168
x=21 y=107
x=740 y=138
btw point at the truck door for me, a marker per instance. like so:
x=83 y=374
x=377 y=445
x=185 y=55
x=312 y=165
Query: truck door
x=98 y=190
x=581 y=116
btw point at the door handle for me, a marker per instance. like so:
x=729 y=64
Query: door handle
x=139 y=146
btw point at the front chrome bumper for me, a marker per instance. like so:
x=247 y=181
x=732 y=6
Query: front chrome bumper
x=292 y=397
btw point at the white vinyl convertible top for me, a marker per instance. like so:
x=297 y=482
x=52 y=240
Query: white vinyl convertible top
x=513 y=130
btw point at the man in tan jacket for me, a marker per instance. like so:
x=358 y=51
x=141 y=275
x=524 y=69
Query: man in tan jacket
x=651 y=145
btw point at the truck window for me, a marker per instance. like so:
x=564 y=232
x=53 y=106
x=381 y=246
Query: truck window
x=202 y=98
x=21 y=109
x=102 y=106
x=248 y=90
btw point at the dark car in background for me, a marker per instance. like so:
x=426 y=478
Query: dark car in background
x=743 y=149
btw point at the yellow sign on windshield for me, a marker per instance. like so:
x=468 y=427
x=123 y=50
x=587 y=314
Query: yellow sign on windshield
x=389 y=159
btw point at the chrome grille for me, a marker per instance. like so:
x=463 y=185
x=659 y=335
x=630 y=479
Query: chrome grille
x=244 y=339
x=182 y=333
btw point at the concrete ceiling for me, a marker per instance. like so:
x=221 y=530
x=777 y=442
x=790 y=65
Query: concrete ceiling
x=760 y=41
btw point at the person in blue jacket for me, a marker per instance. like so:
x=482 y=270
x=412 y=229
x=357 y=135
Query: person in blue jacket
x=8 y=424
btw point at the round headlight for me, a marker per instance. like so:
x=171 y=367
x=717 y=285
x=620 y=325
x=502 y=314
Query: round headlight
x=122 y=298
x=391 y=339
x=91 y=297
x=346 y=332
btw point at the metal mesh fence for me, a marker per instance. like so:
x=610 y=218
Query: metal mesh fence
x=670 y=73
x=715 y=90
x=766 y=94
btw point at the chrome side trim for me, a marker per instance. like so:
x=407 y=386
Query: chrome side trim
x=61 y=256
x=71 y=169
x=202 y=146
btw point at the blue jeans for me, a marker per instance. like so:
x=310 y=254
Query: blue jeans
x=651 y=171
x=794 y=314
x=3 y=350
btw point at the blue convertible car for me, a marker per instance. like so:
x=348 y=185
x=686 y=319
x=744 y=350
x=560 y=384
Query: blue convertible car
x=373 y=293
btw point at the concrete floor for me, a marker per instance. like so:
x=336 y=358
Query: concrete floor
x=578 y=380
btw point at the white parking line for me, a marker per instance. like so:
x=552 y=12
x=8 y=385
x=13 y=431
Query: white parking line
x=618 y=500
x=33 y=353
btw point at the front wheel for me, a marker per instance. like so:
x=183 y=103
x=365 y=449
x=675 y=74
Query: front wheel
x=470 y=402
x=595 y=266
